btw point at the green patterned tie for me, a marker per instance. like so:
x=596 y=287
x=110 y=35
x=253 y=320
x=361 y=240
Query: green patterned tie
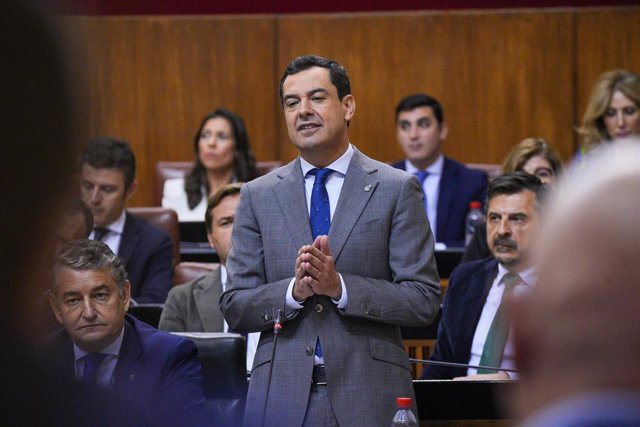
x=497 y=336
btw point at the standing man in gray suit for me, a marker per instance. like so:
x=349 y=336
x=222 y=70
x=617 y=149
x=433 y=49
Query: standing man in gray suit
x=347 y=260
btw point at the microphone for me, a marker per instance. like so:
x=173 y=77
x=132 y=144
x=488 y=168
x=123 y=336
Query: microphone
x=460 y=365
x=277 y=327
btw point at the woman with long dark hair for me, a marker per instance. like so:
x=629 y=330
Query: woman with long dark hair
x=222 y=155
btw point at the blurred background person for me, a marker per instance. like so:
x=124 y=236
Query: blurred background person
x=532 y=155
x=193 y=306
x=613 y=110
x=223 y=155
x=577 y=339
x=36 y=172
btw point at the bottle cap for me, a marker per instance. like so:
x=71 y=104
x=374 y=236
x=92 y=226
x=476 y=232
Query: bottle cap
x=404 y=402
x=475 y=205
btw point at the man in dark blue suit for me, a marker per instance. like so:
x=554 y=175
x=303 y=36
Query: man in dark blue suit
x=473 y=301
x=105 y=349
x=107 y=183
x=448 y=185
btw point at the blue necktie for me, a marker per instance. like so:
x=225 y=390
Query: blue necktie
x=320 y=213
x=422 y=175
x=92 y=362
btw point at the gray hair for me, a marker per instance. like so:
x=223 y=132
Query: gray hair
x=83 y=255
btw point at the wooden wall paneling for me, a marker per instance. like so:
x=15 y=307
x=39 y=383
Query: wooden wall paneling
x=498 y=75
x=151 y=80
x=605 y=40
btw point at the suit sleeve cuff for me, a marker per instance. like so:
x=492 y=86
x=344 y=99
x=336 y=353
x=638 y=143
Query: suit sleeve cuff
x=291 y=305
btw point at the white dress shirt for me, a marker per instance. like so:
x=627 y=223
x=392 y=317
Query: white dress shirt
x=113 y=237
x=431 y=189
x=252 y=338
x=489 y=310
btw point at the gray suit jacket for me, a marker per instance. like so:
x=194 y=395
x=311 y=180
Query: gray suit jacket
x=383 y=248
x=193 y=306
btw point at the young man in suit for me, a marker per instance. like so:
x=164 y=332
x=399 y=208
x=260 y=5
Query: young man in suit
x=337 y=242
x=107 y=183
x=101 y=346
x=448 y=185
x=193 y=306
x=472 y=328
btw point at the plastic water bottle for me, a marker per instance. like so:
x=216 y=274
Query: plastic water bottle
x=475 y=217
x=404 y=416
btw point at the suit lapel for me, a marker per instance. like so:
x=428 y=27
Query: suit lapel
x=491 y=271
x=129 y=239
x=129 y=359
x=359 y=185
x=475 y=297
x=206 y=295
x=290 y=196
x=448 y=182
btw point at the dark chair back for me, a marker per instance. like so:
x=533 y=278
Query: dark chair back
x=223 y=359
x=147 y=312
x=166 y=219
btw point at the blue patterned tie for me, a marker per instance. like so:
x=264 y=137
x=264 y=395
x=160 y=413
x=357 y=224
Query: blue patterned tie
x=320 y=213
x=422 y=175
x=92 y=362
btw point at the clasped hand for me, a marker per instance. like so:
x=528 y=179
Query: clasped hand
x=316 y=271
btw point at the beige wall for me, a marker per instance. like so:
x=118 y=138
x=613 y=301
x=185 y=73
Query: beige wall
x=501 y=75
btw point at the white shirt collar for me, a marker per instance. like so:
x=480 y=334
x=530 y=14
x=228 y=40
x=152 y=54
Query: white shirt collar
x=434 y=168
x=223 y=276
x=341 y=164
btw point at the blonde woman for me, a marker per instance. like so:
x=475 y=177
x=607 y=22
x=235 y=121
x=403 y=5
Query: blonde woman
x=613 y=111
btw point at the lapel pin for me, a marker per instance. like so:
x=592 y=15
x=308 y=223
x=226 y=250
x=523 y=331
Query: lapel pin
x=367 y=187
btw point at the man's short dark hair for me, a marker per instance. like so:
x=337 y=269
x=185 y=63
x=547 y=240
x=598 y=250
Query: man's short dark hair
x=337 y=73
x=417 y=100
x=109 y=153
x=85 y=255
x=514 y=183
x=216 y=198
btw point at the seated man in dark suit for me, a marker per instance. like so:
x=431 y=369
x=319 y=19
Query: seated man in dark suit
x=107 y=182
x=474 y=328
x=194 y=306
x=101 y=346
x=448 y=186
